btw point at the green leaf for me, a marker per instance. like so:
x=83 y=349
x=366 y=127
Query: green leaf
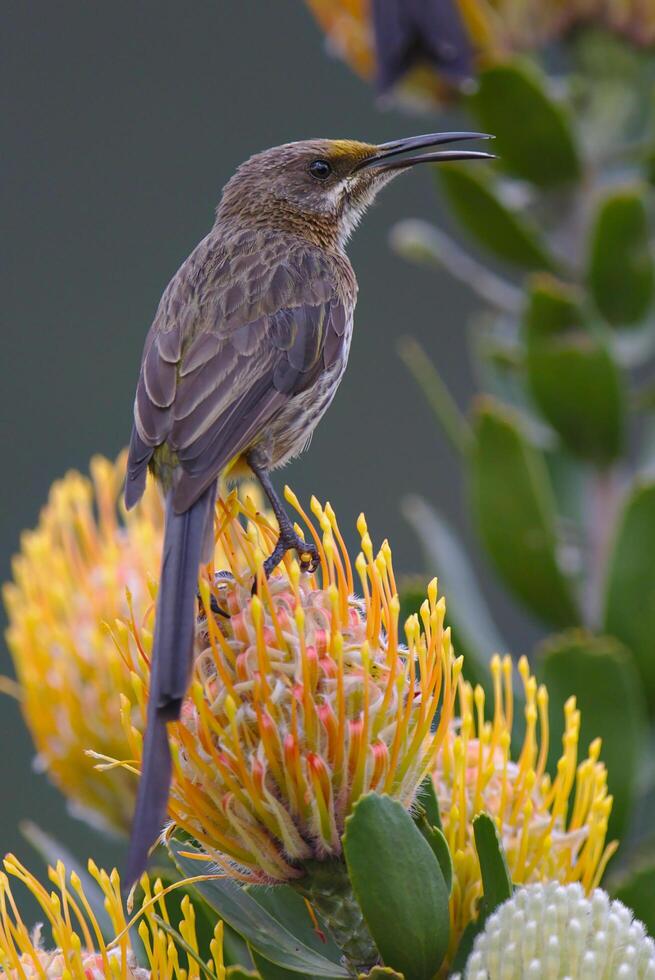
x=290 y=909
x=505 y=234
x=496 y=883
x=270 y=971
x=572 y=376
x=534 y=138
x=440 y=849
x=636 y=889
x=427 y=798
x=601 y=674
x=474 y=632
x=263 y=932
x=399 y=886
x=427 y=818
x=630 y=584
x=515 y=509
x=621 y=271
x=466 y=943
x=496 y=879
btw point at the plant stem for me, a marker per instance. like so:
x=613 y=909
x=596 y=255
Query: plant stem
x=418 y=241
x=327 y=887
x=453 y=423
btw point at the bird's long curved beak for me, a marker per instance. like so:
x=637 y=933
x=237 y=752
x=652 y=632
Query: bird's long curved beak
x=386 y=154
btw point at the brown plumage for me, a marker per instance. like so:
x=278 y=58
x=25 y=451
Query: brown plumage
x=245 y=354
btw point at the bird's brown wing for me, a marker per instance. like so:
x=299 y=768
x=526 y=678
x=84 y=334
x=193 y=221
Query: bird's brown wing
x=210 y=401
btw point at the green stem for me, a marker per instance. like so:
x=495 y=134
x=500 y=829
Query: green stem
x=327 y=887
x=453 y=423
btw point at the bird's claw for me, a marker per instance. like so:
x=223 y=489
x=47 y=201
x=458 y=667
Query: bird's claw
x=307 y=552
x=309 y=558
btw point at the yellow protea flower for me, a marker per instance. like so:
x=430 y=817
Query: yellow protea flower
x=86 y=563
x=303 y=697
x=81 y=952
x=492 y=30
x=552 y=829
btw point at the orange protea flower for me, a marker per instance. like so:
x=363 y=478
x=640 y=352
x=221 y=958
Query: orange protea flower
x=551 y=829
x=303 y=697
x=81 y=951
x=492 y=30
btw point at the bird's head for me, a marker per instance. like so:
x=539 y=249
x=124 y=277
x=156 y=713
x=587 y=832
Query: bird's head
x=322 y=187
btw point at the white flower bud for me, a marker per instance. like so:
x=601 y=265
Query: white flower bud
x=554 y=931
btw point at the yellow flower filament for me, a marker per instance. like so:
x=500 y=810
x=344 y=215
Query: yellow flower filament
x=80 y=950
x=546 y=835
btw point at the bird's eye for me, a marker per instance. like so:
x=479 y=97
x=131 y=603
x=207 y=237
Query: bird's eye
x=320 y=169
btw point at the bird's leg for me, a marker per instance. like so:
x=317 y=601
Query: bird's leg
x=288 y=540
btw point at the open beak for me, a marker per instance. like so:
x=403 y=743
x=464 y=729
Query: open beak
x=385 y=155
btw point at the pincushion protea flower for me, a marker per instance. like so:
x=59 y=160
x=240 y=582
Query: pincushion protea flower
x=552 y=931
x=86 y=565
x=303 y=698
x=81 y=952
x=80 y=568
x=491 y=29
x=551 y=829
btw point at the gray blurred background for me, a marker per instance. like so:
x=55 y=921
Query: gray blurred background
x=121 y=122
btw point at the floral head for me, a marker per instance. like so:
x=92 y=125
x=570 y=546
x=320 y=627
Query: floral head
x=551 y=829
x=87 y=569
x=86 y=563
x=303 y=699
x=553 y=930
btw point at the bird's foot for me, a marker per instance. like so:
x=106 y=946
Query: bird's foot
x=219 y=577
x=290 y=541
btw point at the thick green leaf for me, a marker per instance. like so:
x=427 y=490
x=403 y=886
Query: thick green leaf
x=572 y=376
x=427 y=798
x=496 y=882
x=399 y=886
x=270 y=971
x=474 y=632
x=263 y=932
x=290 y=909
x=636 y=889
x=440 y=849
x=513 y=502
x=621 y=269
x=466 y=943
x=534 y=139
x=601 y=674
x=427 y=818
x=496 y=879
x=507 y=235
x=630 y=585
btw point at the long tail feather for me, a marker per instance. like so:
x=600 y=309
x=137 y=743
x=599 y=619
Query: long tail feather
x=184 y=547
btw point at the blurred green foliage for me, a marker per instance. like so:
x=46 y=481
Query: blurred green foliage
x=561 y=489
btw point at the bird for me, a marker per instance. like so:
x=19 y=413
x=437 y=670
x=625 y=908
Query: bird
x=247 y=348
